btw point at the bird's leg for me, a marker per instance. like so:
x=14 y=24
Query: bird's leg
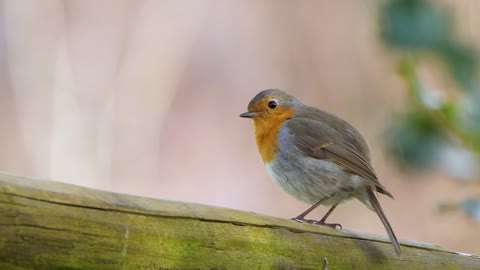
x=322 y=221
x=301 y=218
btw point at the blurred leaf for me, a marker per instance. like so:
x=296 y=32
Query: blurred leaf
x=406 y=69
x=421 y=25
x=414 y=24
x=472 y=208
x=471 y=108
x=415 y=140
x=458 y=162
x=449 y=110
x=461 y=62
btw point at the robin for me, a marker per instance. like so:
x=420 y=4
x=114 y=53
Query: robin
x=315 y=156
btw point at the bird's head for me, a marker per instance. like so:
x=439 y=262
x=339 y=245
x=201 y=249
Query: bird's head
x=271 y=104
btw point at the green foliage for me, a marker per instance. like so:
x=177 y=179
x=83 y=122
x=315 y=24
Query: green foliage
x=436 y=129
x=420 y=25
x=414 y=24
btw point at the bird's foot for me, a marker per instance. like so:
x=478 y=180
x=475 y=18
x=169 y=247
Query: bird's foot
x=321 y=222
x=331 y=225
x=302 y=220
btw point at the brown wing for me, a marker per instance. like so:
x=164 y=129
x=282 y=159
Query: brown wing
x=320 y=141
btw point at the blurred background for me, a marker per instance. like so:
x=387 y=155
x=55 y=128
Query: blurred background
x=143 y=97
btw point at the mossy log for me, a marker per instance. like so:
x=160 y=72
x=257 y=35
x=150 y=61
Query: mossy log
x=52 y=225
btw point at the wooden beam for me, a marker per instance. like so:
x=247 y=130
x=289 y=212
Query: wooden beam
x=52 y=225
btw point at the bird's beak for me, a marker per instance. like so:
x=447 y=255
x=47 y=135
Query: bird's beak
x=249 y=114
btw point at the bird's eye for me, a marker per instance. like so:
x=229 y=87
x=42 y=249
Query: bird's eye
x=272 y=104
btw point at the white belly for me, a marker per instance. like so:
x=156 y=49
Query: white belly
x=310 y=180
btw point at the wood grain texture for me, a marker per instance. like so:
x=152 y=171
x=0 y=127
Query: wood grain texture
x=51 y=225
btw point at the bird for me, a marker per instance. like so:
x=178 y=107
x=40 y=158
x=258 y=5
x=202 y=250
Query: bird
x=315 y=156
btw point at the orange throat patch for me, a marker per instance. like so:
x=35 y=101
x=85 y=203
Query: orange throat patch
x=266 y=133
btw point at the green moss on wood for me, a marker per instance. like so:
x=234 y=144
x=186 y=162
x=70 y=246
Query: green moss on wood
x=50 y=225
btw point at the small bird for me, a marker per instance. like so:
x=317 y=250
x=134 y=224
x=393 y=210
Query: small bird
x=315 y=156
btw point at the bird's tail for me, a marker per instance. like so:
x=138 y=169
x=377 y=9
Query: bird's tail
x=378 y=209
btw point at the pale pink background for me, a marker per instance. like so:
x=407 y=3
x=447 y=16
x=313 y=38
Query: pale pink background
x=143 y=97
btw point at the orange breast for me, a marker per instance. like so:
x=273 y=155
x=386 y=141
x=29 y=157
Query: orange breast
x=266 y=133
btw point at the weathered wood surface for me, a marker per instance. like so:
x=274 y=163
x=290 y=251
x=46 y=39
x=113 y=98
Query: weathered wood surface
x=51 y=225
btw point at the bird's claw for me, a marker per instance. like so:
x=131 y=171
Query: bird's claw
x=331 y=225
x=302 y=220
x=317 y=222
